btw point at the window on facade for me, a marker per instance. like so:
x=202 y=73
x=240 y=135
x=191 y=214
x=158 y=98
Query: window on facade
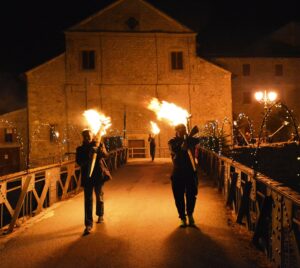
x=8 y=135
x=54 y=134
x=246 y=69
x=177 y=60
x=278 y=69
x=247 y=98
x=88 y=60
x=132 y=23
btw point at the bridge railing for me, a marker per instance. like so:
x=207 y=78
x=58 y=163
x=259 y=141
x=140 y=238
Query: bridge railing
x=269 y=209
x=25 y=194
x=142 y=152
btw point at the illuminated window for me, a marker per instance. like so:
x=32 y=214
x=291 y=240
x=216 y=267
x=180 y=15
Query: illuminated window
x=278 y=70
x=177 y=60
x=8 y=135
x=88 y=60
x=54 y=134
x=246 y=69
x=247 y=98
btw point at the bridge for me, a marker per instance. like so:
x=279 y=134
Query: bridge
x=42 y=218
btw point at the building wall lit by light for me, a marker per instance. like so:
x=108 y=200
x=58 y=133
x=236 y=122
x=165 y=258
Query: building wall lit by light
x=116 y=61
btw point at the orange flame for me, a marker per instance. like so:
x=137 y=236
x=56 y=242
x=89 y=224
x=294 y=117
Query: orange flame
x=154 y=128
x=97 y=122
x=169 y=112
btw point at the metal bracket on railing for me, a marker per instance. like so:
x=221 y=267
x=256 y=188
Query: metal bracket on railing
x=19 y=204
x=244 y=207
x=291 y=253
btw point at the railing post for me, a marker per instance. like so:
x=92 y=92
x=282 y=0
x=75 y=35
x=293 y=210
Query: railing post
x=244 y=207
x=232 y=190
x=19 y=204
x=221 y=177
x=261 y=237
x=53 y=176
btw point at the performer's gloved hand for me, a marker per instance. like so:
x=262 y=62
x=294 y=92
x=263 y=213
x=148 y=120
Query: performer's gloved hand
x=184 y=145
x=95 y=149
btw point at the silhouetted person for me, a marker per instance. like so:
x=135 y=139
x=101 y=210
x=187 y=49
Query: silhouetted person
x=152 y=144
x=184 y=176
x=84 y=154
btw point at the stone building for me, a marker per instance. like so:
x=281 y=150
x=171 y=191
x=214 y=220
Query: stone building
x=116 y=61
x=13 y=141
x=272 y=63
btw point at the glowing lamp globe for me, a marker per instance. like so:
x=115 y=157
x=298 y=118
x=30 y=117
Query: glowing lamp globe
x=259 y=95
x=272 y=96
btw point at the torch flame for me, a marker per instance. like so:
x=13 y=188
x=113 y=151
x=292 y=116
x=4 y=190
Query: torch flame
x=97 y=122
x=154 y=128
x=170 y=112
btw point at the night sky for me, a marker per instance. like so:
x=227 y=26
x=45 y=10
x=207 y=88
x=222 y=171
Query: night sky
x=32 y=31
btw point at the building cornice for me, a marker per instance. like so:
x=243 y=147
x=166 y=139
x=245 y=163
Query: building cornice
x=135 y=34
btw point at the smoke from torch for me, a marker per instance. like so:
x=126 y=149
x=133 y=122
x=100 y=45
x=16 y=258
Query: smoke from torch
x=98 y=124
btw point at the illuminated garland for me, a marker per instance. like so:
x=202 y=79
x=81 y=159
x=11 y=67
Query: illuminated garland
x=19 y=138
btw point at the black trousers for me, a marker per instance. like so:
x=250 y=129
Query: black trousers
x=185 y=190
x=88 y=201
x=152 y=152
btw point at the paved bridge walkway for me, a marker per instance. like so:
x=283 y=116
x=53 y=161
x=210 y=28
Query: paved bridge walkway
x=140 y=229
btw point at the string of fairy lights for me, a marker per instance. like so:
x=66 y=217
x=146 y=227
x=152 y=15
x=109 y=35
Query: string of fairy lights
x=288 y=116
x=19 y=138
x=242 y=116
x=213 y=138
x=69 y=133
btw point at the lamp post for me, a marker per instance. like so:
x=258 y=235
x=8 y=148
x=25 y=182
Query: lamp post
x=266 y=98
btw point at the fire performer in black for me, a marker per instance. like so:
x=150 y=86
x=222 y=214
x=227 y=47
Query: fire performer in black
x=152 y=144
x=84 y=154
x=184 y=176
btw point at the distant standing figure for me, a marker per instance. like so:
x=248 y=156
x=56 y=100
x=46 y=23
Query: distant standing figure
x=151 y=141
x=84 y=154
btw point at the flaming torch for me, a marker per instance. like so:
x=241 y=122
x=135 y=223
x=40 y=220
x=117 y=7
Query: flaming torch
x=173 y=115
x=154 y=128
x=98 y=124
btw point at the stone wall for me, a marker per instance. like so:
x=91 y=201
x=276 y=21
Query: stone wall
x=17 y=121
x=126 y=82
x=46 y=107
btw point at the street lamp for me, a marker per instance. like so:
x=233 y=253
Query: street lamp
x=267 y=99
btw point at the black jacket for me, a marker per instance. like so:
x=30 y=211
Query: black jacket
x=151 y=141
x=84 y=155
x=182 y=165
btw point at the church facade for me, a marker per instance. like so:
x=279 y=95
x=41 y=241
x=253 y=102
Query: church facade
x=116 y=61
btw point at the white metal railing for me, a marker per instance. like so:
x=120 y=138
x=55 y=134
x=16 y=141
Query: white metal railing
x=144 y=152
